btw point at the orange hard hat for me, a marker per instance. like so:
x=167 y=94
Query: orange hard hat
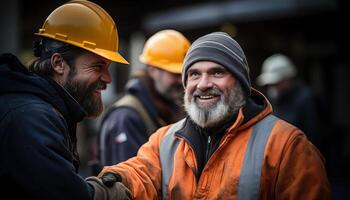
x=166 y=50
x=86 y=25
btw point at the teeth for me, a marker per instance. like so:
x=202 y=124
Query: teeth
x=206 y=97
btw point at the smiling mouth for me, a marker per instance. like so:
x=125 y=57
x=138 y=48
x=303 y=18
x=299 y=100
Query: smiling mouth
x=206 y=97
x=98 y=91
x=207 y=100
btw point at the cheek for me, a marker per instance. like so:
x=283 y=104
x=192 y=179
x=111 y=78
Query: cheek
x=189 y=91
x=167 y=81
x=226 y=85
x=90 y=76
x=89 y=80
x=164 y=82
x=84 y=82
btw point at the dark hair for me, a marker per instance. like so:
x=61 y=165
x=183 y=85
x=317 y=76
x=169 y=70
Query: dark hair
x=43 y=50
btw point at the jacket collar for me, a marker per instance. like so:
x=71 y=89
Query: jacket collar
x=258 y=107
x=72 y=111
x=255 y=109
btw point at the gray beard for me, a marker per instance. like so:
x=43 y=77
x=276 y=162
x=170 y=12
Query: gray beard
x=212 y=116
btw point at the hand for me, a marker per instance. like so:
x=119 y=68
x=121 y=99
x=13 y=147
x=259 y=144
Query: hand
x=114 y=190
x=109 y=179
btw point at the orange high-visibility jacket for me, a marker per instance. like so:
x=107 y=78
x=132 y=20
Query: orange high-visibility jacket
x=292 y=168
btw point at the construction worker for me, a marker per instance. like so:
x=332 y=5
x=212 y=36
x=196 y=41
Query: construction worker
x=153 y=98
x=40 y=107
x=230 y=146
x=291 y=98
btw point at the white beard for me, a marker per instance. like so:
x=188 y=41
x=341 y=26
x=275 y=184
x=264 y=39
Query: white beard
x=216 y=114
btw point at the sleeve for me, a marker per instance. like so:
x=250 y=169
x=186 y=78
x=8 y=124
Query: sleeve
x=142 y=174
x=38 y=160
x=302 y=174
x=122 y=134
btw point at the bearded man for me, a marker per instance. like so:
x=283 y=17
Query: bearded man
x=230 y=146
x=41 y=105
x=150 y=95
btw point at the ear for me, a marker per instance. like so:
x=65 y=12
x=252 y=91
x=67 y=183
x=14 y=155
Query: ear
x=57 y=64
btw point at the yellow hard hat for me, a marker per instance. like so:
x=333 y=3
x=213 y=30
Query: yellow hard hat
x=166 y=50
x=86 y=25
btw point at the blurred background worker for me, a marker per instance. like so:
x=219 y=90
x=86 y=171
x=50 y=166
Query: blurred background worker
x=291 y=98
x=153 y=98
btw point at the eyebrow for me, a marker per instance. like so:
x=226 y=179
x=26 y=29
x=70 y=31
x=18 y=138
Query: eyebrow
x=215 y=67
x=192 y=70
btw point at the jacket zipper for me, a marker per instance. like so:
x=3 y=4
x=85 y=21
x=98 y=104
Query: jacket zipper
x=208 y=149
x=222 y=143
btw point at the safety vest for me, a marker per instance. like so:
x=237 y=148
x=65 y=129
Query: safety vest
x=130 y=101
x=249 y=181
x=133 y=102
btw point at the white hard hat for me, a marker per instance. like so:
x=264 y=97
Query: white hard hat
x=276 y=68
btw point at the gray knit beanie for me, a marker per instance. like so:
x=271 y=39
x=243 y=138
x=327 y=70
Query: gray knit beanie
x=220 y=48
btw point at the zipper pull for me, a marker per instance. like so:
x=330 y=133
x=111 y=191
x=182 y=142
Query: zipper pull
x=208 y=149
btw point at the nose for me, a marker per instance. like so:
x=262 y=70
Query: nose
x=106 y=76
x=204 y=82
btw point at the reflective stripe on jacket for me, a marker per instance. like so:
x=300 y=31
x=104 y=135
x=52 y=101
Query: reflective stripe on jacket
x=292 y=168
x=248 y=187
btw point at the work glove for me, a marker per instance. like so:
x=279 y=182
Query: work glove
x=109 y=187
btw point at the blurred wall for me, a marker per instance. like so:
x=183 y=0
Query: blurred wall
x=10 y=26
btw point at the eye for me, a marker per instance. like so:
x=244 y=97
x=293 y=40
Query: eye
x=97 y=67
x=219 y=73
x=193 y=74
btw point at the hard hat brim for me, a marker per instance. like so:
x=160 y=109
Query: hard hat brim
x=109 y=55
x=268 y=79
x=175 y=68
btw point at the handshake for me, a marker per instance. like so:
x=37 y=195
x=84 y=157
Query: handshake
x=109 y=187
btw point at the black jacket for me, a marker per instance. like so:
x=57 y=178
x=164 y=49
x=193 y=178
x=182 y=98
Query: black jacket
x=37 y=137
